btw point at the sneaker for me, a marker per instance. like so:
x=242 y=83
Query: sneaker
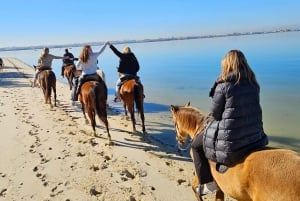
x=207 y=188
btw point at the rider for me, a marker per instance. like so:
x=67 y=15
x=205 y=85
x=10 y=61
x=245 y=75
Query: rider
x=236 y=128
x=68 y=61
x=128 y=67
x=44 y=63
x=87 y=62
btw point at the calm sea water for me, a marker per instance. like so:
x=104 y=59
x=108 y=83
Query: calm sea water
x=176 y=72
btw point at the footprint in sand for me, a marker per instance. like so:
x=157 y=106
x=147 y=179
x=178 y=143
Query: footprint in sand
x=80 y=154
x=3 y=192
x=2 y=175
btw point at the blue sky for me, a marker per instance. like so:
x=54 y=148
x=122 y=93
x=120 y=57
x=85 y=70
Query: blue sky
x=36 y=22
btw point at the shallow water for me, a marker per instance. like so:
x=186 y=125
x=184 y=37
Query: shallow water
x=176 y=72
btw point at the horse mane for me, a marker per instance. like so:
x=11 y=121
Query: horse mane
x=191 y=118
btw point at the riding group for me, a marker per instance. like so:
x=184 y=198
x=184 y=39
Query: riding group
x=228 y=146
x=88 y=85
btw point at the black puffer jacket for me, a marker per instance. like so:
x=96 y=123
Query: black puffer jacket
x=237 y=128
x=128 y=62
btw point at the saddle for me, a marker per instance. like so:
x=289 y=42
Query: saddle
x=92 y=77
x=80 y=81
x=128 y=77
x=41 y=68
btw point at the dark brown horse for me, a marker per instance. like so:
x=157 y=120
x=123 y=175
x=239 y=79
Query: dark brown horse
x=47 y=81
x=93 y=98
x=69 y=74
x=266 y=175
x=132 y=92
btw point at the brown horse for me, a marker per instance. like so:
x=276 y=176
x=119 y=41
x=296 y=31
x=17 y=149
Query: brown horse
x=132 y=92
x=93 y=98
x=69 y=74
x=266 y=175
x=47 y=81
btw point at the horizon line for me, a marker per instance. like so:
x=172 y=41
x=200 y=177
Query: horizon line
x=35 y=47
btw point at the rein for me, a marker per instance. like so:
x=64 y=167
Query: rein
x=178 y=141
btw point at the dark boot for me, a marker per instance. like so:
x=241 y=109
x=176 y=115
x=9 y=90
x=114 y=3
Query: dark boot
x=81 y=80
x=74 y=90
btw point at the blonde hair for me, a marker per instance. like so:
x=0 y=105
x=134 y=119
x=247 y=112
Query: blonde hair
x=44 y=52
x=126 y=50
x=84 y=55
x=235 y=62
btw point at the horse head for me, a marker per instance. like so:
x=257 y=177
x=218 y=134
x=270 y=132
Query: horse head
x=181 y=134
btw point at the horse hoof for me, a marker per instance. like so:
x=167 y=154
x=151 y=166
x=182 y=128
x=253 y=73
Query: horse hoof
x=109 y=143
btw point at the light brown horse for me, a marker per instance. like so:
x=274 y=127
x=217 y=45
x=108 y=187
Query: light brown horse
x=69 y=74
x=267 y=175
x=47 y=81
x=132 y=92
x=93 y=98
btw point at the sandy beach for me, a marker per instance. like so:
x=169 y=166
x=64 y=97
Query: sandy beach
x=51 y=154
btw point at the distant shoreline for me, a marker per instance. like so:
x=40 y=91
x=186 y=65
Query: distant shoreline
x=36 y=47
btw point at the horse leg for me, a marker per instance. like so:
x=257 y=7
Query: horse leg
x=131 y=111
x=54 y=93
x=195 y=183
x=70 y=81
x=47 y=98
x=83 y=110
x=125 y=108
x=92 y=116
x=102 y=114
x=220 y=195
x=143 y=122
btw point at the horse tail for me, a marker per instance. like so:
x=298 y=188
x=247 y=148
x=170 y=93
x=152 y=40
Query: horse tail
x=100 y=102
x=137 y=97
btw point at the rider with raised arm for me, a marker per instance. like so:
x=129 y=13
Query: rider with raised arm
x=128 y=67
x=87 y=62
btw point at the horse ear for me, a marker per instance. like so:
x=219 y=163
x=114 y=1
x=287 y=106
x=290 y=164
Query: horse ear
x=172 y=108
x=188 y=104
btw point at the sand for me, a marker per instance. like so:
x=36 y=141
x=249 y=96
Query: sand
x=51 y=154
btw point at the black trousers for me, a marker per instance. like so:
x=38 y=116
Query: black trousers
x=74 y=89
x=201 y=162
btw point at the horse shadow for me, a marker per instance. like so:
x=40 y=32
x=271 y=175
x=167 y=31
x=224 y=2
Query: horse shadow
x=10 y=83
x=160 y=139
x=163 y=135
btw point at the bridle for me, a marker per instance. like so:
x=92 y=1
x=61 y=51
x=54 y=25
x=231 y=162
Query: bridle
x=182 y=141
